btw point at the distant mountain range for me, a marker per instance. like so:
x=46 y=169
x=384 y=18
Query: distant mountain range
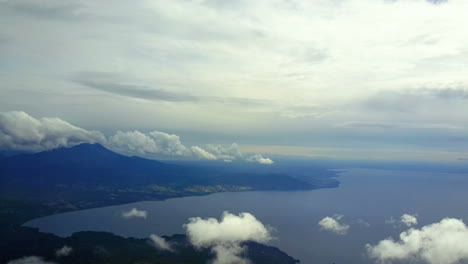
x=93 y=166
x=89 y=175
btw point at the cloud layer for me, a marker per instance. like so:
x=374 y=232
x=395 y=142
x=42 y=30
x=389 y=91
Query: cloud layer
x=332 y=224
x=224 y=236
x=442 y=242
x=20 y=131
x=30 y=260
x=370 y=73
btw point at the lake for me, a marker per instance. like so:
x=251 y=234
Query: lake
x=366 y=199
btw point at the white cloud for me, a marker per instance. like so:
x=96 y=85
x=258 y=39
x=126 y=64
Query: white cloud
x=258 y=158
x=226 y=153
x=409 y=220
x=135 y=213
x=159 y=144
x=160 y=243
x=135 y=142
x=224 y=236
x=406 y=220
x=20 y=131
x=314 y=47
x=63 y=251
x=202 y=154
x=442 y=242
x=332 y=224
x=30 y=260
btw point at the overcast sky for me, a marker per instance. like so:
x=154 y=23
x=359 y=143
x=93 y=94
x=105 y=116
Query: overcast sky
x=329 y=78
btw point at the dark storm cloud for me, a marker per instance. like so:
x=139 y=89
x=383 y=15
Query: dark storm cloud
x=106 y=82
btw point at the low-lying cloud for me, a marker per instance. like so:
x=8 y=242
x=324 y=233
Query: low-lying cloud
x=63 y=251
x=135 y=213
x=225 y=236
x=332 y=224
x=442 y=242
x=258 y=158
x=20 y=131
x=160 y=243
x=30 y=260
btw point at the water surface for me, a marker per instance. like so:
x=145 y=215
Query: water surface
x=366 y=198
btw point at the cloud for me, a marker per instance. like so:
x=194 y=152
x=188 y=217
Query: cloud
x=224 y=236
x=405 y=220
x=63 y=251
x=226 y=153
x=160 y=243
x=363 y=223
x=202 y=154
x=103 y=82
x=409 y=220
x=442 y=242
x=258 y=158
x=160 y=143
x=155 y=143
x=20 y=131
x=133 y=213
x=332 y=224
x=30 y=260
x=138 y=91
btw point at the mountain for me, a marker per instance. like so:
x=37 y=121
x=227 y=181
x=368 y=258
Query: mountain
x=107 y=248
x=86 y=164
x=94 y=166
x=89 y=175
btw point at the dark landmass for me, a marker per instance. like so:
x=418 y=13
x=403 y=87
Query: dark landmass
x=89 y=176
x=107 y=248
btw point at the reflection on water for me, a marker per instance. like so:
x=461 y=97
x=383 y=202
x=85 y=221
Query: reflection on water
x=366 y=198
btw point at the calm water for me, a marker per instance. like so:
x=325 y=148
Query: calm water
x=364 y=195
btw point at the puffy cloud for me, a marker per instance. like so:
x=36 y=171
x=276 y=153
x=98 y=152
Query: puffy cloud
x=405 y=220
x=160 y=243
x=135 y=213
x=30 y=260
x=20 y=131
x=332 y=224
x=409 y=220
x=63 y=251
x=226 y=153
x=163 y=144
x=224 y=236
x=258 y=158
x=135 y=142
x=443 y=242
x=202 y=154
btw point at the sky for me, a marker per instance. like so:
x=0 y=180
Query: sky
x=348 y=79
